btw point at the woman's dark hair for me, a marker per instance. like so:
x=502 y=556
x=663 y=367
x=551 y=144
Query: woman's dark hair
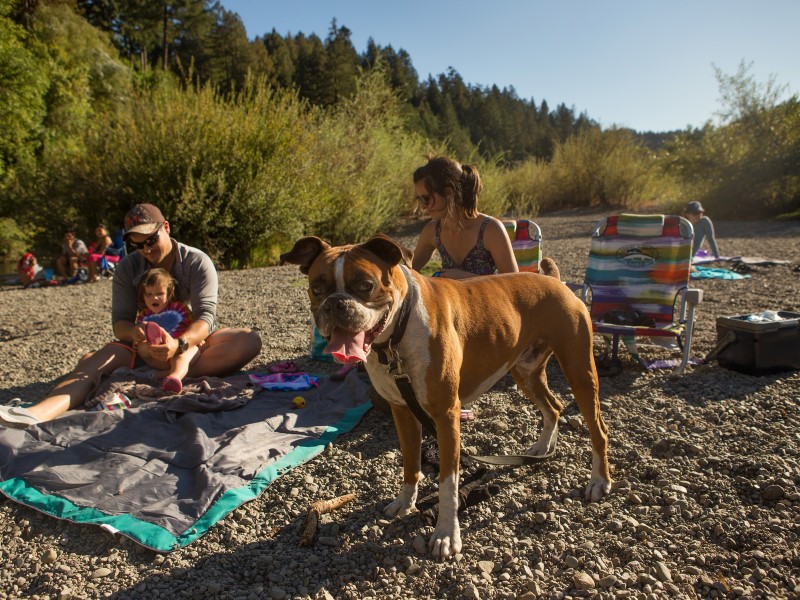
x=156 y=277
x=442 y=172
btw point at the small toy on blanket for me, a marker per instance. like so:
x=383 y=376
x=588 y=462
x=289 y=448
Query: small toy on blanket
x=285 y=381
x=113 y=400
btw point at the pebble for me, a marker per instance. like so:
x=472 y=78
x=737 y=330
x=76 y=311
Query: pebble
x=485 y=566
x=419 y=545
x=470 y=591
x=277 y=593
x=583 y=581
x=101 y=572
x=50 y=556
x=773 y=492
x=662 y=571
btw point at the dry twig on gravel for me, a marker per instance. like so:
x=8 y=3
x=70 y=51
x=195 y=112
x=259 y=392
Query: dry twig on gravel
x=320 y=507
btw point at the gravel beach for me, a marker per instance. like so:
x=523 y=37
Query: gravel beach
x=706 y=499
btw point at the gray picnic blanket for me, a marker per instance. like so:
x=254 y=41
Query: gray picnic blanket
x=167 y=469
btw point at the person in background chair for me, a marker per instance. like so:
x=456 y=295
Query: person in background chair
x=703 y=228
x=73 y=251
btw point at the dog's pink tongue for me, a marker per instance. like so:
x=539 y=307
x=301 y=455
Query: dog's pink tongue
x=346 y=346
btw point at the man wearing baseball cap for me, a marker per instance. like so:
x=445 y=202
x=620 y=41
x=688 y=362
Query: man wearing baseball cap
x=223 y=351
x=703 y=227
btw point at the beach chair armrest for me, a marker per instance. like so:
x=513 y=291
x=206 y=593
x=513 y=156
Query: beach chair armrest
x=694 y=296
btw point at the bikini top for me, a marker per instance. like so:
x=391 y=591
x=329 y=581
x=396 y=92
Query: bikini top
x=478 y=260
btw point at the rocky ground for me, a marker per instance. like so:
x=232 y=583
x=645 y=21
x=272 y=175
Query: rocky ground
x=706 y=501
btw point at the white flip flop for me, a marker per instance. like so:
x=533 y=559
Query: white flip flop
x=16 y=417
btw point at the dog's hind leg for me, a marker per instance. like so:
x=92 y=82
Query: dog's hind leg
x=582 y=379
x=531 y=376
x=410 y=433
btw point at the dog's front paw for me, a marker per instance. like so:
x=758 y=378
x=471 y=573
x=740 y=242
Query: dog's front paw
x=597 y=488
x=398 y=508
x=445 y=542
x=404 y=503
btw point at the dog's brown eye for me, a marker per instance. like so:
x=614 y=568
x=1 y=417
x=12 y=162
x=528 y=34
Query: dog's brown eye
x=316 y=290
x=365 y=287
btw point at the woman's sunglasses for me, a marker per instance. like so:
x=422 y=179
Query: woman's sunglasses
x=426 y=200
x=149 y=241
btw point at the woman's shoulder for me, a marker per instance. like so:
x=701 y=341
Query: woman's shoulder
x=493 y=224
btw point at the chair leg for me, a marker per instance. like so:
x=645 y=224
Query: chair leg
x=687 y=347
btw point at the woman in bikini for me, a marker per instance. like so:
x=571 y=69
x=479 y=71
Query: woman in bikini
x=469 y=243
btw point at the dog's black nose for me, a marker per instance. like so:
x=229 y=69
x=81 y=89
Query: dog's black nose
x=337 y=305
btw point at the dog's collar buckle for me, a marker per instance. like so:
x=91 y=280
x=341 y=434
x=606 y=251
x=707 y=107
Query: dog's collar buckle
x=390 y=357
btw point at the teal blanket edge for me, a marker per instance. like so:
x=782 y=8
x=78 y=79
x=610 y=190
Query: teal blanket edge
x=157 y=538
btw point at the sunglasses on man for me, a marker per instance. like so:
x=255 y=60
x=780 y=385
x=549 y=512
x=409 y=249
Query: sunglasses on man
x=149 y=241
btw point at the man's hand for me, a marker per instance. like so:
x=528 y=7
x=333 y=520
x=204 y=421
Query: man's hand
x=137 y=335
x=166 y=350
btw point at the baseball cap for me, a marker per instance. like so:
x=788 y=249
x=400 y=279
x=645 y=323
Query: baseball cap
x=694 y=207
x=143 y=218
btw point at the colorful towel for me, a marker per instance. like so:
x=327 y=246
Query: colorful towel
x=714 y=273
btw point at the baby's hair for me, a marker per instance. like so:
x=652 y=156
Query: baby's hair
x=156 y=277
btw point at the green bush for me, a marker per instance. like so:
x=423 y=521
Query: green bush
x=363 y=162
x=593 y=168
x=13 y=240
x=748 y=168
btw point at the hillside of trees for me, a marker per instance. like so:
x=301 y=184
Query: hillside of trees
x=247 y=143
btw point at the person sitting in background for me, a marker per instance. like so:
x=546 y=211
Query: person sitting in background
x=28 y=269
x=101 y=247
x=73 y=251
x=470 y=243
x=103 y=244
x=703 y=228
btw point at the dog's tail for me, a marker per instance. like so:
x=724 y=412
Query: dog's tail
x=550 y=268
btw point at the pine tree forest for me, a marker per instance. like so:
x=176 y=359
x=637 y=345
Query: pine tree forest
x=105 y=103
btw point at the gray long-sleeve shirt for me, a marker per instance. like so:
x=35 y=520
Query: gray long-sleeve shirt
x=197 y=284
x=704 y=230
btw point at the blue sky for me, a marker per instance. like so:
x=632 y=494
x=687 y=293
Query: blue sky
x=635 y=63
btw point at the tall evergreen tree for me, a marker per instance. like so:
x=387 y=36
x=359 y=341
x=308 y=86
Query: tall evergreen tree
x=341 y=65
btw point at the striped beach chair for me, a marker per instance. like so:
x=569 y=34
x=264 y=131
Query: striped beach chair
x=526 y=241
x=637 y=283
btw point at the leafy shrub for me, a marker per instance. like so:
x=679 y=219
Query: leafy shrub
x=593 y=168
x=363 y=161
x=13 y=240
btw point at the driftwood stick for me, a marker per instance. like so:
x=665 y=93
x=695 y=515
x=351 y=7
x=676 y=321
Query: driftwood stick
x=320 y=507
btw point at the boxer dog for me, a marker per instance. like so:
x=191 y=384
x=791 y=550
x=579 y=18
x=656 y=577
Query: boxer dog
x=452 y=340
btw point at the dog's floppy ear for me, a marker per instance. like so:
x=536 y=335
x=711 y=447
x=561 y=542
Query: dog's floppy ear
x=304 y=253
x=386 y=248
